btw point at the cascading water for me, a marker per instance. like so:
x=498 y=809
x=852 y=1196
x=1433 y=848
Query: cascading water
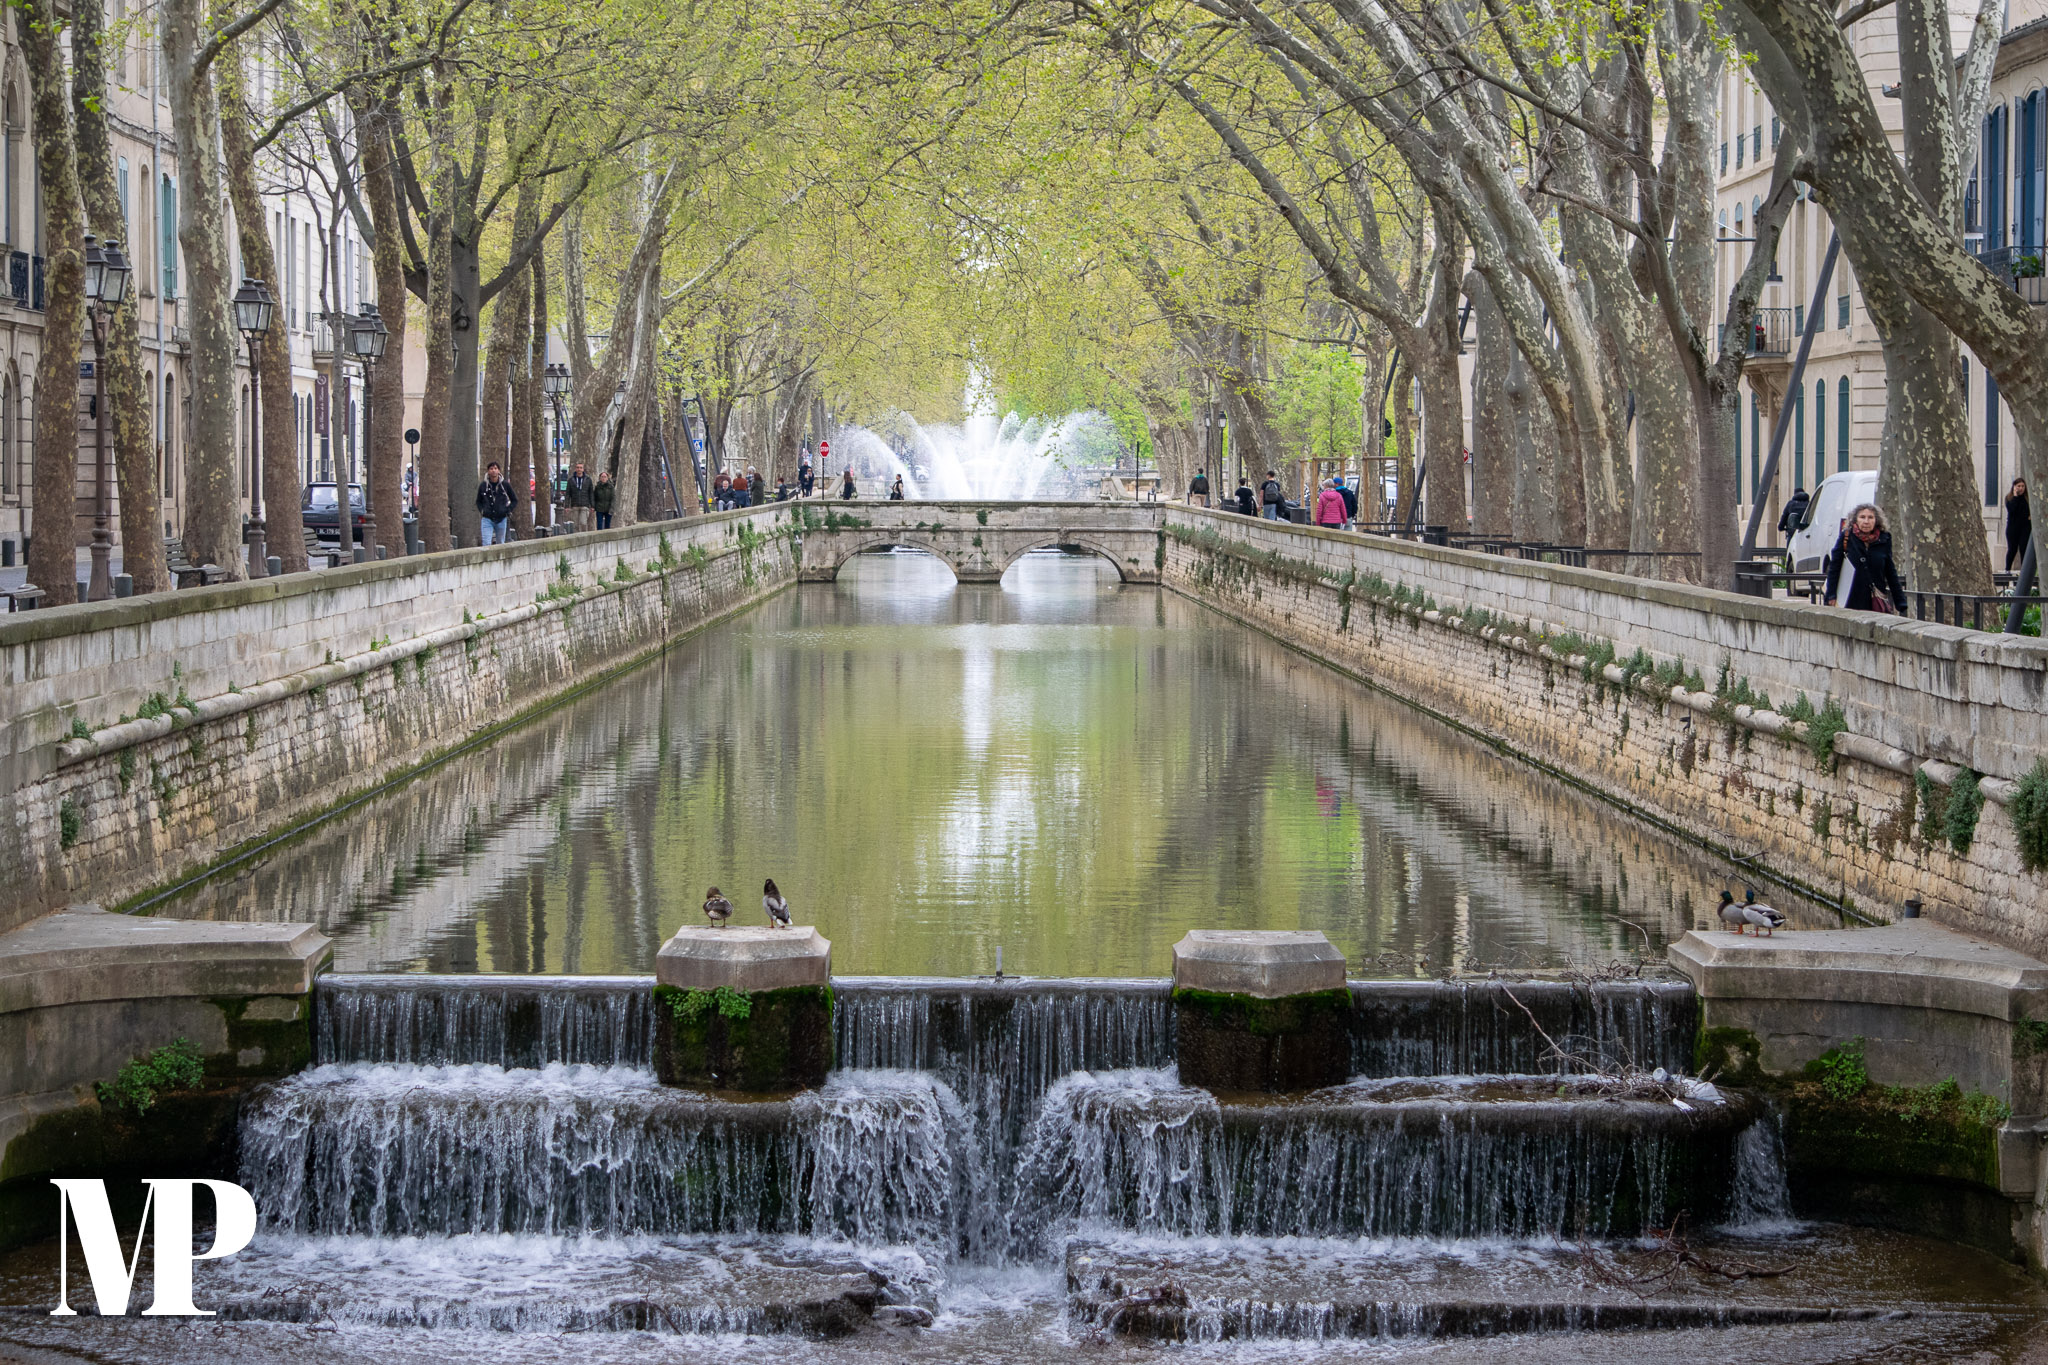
x=984 y=459
x=459 y=1138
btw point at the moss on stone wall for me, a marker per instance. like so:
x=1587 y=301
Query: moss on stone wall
x=1234 y=1043
x=782 y=1041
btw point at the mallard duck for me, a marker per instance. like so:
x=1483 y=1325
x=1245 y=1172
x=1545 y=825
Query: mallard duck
x=717 y=908
x=1761 y=917
x=775 y=905
x=1731 y=913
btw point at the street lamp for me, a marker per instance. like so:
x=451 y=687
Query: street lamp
x=555 y=384
x=367 y=338
x=106 y=285
x=253 y=307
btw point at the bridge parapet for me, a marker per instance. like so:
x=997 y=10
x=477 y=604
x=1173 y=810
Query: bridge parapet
x=980 y=540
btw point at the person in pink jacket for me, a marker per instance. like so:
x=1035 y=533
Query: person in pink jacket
x=1329 y=506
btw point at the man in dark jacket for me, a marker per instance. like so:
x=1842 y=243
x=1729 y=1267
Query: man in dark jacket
x=1247 y=501
x=494 y=504
x=1350 y=496
x=602 y=498
x=1795 y=508
x=1198 y=489
x=1272 y=498
x=580 y=492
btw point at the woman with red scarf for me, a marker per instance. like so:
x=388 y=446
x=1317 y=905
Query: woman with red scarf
x=1859 y=573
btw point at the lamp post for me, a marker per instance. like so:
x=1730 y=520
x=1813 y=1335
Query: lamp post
x=253 y=307
x=106 y=285
x=555 y=384
x=367 y=338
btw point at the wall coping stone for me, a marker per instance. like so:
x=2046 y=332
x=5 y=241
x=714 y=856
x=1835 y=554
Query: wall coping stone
x=749 y=959
x=84 y=953
x=1266 y=963
x=1911 y=963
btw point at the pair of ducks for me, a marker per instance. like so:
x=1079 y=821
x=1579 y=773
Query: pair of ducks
x=718 y=909
x=1750 y=913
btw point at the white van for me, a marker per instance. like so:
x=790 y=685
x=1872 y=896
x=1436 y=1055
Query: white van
x=1818 y=529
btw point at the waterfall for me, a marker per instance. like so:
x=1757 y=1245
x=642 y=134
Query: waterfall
x=1442 y=1028
x=1450 y=1157
x=383 y=1150
x=1760 y=1199
x=514 y=1021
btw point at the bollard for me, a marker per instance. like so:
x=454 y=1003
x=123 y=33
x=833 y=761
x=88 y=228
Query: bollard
x=275 y=564
x=380 y=552
x=781 y=1039
x=124 y=585
x=84 y=588
x=1261 y=1010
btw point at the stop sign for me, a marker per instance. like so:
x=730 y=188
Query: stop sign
x=824 y=450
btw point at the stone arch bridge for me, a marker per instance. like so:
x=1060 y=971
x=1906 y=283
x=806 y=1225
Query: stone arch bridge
x=979 y=540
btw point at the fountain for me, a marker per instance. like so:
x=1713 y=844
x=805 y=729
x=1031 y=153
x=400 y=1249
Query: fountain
x=983 y=459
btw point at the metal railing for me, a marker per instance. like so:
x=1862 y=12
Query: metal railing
x=1773 y=332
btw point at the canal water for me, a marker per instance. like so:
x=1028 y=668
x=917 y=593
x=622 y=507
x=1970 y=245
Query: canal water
x=1060 y=769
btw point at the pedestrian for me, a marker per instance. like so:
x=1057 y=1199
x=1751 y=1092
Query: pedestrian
x=578 y=495
x=1859 y=572
x=805 y=478
x=757 y=491
x=1350 y=496
x=782 y=490
x=1795 y=508
x=1198 y=489
x=494 y=504
x=2019 y=523
x=1247 y=501
x=846 y=488
x=721 y=492
x=1272 y=497
x=896 y=490
x=1330 y=506
x=742 y=491
x=601 y=499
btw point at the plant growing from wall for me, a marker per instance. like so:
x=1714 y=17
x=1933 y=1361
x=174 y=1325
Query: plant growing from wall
x=69 y=823
x=690 y=1006
x=1841 y=1071
x=177 y=1065
x=1965 y=805
x=2029 y=811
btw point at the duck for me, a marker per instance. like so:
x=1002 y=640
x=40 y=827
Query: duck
x=1763 y=918
x=717 y=908
x=772 y=901
x=1731 y=913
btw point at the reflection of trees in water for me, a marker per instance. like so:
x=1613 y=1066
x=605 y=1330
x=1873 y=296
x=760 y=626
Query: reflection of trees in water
x=1074 y=772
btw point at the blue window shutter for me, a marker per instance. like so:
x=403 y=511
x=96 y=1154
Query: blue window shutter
x=1820 y=427
x=1799 y=437
x=121 y=185
x=170 y=248
x=1842 y=423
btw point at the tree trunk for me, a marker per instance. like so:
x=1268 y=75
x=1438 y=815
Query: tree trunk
x=536 y=397
x=463 y=336
x=1544 y=493
x=1493 y=421
x=385 y=475
x=120 y=363
x=53 y=555
x=436 y=526
x=497 y=409
x=520 y=401
x=1403 y=418
x=1925 y=483
x=213 y=524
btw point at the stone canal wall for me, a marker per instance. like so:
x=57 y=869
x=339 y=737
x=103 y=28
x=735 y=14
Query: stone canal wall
x=1684 y=705
x=144 y=739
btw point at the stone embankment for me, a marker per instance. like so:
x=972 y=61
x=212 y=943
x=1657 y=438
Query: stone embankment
x=1864 y=761
x=147 y=738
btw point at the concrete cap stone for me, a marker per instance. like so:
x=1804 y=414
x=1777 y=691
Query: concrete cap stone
x=1914 y=963
x=1268 y=963
x=704 y=958
x=84 y=953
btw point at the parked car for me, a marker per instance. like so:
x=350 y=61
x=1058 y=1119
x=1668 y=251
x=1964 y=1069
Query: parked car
x=1837 y=496
x=320 y=507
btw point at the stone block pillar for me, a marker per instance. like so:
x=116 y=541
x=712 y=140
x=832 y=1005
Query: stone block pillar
x=744 y=1009
x=1261 y=1010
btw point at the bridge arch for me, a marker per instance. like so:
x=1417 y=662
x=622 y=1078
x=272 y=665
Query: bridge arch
x=985 y=563
x=1067 y=541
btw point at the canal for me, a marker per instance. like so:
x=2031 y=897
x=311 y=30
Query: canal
x=1063 y=770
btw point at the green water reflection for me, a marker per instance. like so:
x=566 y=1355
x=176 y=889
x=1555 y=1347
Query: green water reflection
x=1075 y=771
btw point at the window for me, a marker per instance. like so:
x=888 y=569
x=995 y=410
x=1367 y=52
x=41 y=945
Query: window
x=1723 y=232
x=121 y=188
x=1738 y=152
x=170 y=243
x=1820 y=427
x=1842 y=311
x=1756 y=143
x=2027 y=224
x=1799 y=319
x=116 y=13
x=1756 y=445
x=7 y=469
x=1724 y=157
x=1774 y=132
x=1799 y=438
x=1842 y=423
x=1991 y=424
x=242 y=428
x=13 y=178
x=1994 y=177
